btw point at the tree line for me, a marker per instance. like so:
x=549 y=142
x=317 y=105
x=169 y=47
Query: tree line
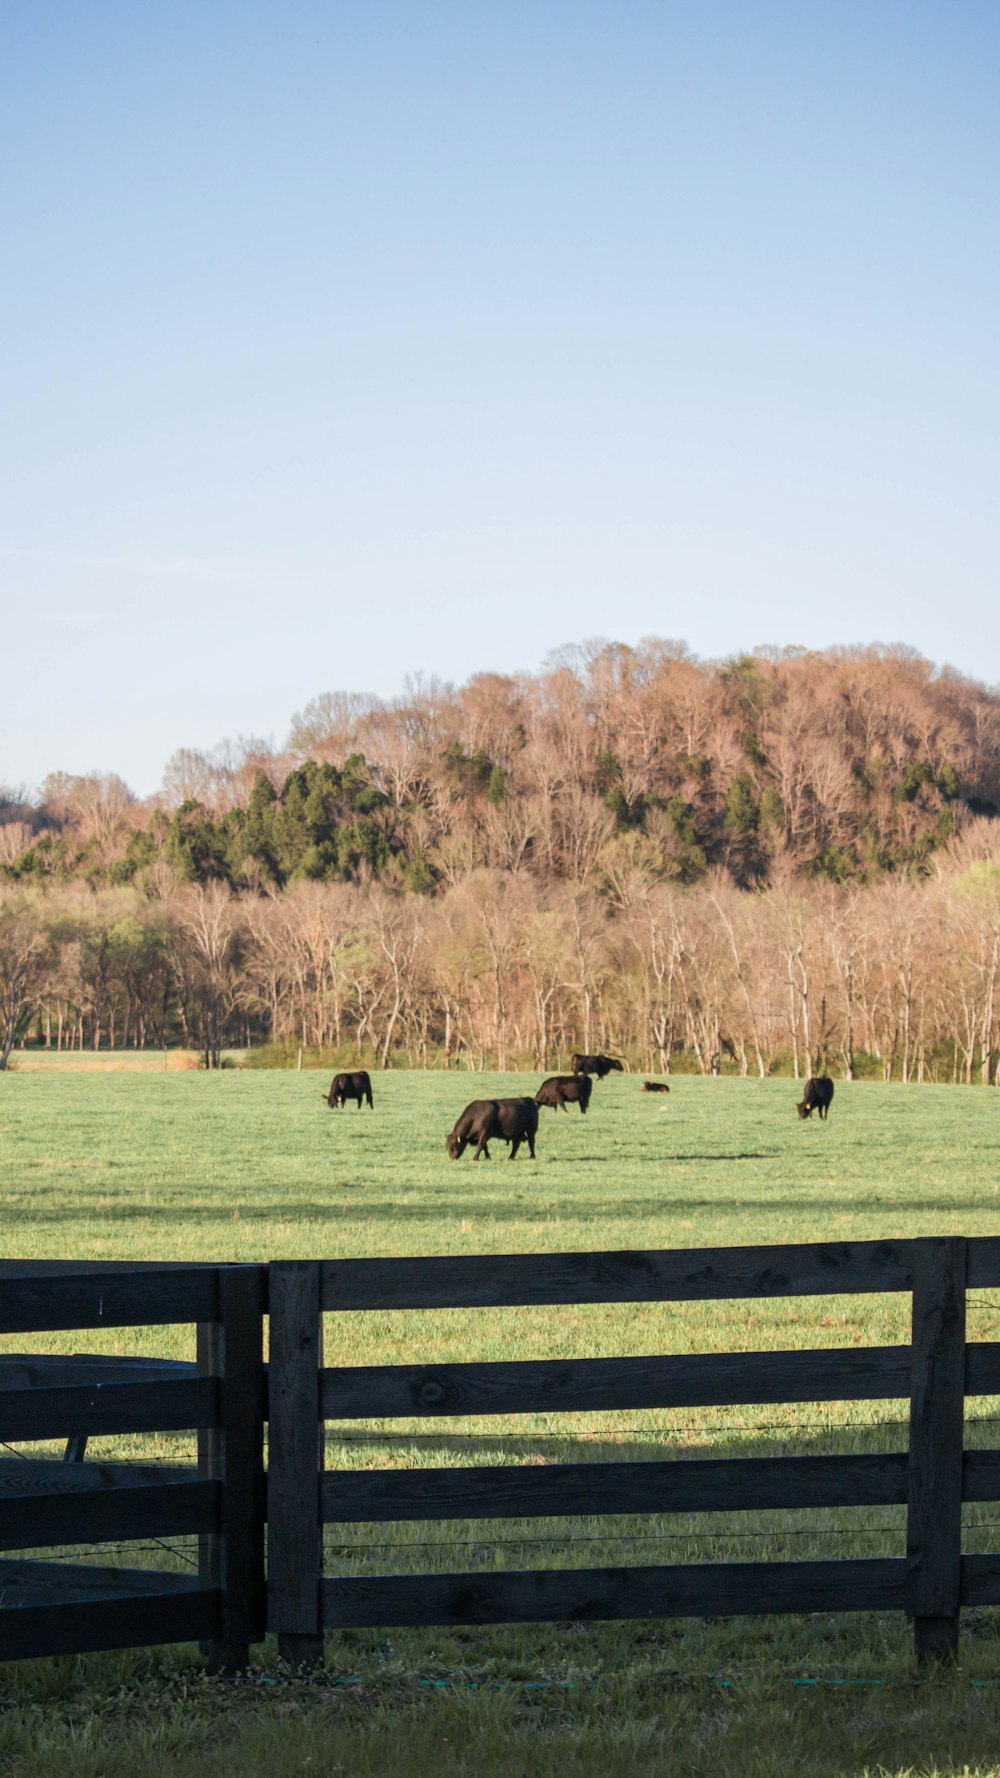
x=899 y=977
x=786 y=858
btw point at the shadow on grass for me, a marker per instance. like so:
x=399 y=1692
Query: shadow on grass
x=606 y=1446
x=483 y=1195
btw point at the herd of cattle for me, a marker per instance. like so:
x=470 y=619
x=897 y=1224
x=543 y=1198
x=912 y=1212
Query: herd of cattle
x=516 y=1120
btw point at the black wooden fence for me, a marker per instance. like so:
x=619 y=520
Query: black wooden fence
x=57 y=1607
x=931 y=1478
x=50 y=1606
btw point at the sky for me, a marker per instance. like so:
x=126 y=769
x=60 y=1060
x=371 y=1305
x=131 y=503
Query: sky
x=346 y=342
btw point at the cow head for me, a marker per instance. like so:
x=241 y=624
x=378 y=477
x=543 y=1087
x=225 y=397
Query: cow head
x=454 y=1145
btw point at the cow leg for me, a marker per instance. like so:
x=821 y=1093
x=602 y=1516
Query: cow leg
x=515 y=1145
x=531 y=1145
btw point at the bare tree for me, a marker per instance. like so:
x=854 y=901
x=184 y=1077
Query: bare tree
x=207 y=945
x=24 y=954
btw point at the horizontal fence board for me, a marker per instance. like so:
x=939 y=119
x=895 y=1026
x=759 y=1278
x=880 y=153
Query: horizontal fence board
x=981 y=1475
x=982 y=1262
x=981 y=1579
x=982 y=1368
x=104 y=1298
x=79 y=1503
x=564 y=1489
x=563 y=1385
x=46 y=1623
x=697 y=1274
x=67 y=1268
x=180 y=1404
x=582 y=1595
x=25 y=1583
x=30 y=1370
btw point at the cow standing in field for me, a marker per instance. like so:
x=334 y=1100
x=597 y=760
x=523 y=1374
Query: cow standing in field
x=355 y=1086
x=818 y=1096
x=487 y=1120
x=599 y=1065
x=565 y=1089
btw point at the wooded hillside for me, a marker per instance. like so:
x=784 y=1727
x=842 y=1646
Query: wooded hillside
x=786 y=857
x=843 y=766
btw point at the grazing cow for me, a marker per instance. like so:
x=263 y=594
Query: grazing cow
x=487 y=1120
x=356 y=1086
x=817 y=1096
x=655 y=1086
x=599 y=1065
x=561 y=1089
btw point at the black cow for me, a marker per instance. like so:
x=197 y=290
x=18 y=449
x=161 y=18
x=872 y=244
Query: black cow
x=356 y=1086
x=817 y=1096
x=599 y=1065
x=563 y=1089
x=487 y=1120
x=655 y=1086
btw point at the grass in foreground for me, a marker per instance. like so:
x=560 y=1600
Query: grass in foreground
x=253 y=1166
x=116 y=1716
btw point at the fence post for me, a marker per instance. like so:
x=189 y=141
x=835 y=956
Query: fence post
x=232 y=1349
x=295 y=1459
x=937 y=1404
x=209 y=1357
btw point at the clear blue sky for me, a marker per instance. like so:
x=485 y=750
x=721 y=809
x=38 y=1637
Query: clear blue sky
x=343 y=341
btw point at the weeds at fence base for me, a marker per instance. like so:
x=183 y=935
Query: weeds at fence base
x=155 y=1715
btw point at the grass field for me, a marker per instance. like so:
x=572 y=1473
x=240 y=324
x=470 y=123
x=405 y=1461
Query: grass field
x=254 y=1166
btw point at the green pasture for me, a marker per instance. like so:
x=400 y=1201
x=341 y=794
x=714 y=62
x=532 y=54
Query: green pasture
x=252 y=1166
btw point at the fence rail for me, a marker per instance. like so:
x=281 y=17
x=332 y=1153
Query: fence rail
x=228 y=1501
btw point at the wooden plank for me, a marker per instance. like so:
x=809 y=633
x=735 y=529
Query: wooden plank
x=934 y=1518
x=376 y=1392
x=241 y=1422
x=561 y=1490
x=107 y=1408
x=59 y=1608
x=586 y=1595
x=694 y=1275
x=295 y=1458
x=103 y=1298
x=25 y=1583
x=46 y=1503
x=65 y=1268
x=982 y=1262
x=28 y=1370
x=108 y=1623
x=209 y=1364
x=981 y=1475
x=982 y=1368
x=981 y=1579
